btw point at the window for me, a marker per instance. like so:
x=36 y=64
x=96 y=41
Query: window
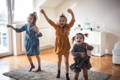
x=4 y=46
x=12 y=12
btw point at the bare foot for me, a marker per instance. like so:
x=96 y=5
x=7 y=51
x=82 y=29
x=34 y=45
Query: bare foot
x=32 y=67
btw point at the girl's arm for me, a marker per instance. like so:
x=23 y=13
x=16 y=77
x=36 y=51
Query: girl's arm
x=36 y=29
x=71 y=23
x=74 y=51
x=10 y=26
x=48 y=20
x=23 y=28
x=89 y=49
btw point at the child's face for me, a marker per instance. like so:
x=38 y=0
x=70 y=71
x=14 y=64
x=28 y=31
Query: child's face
x=79 y=39
x=30 y=20
x=62 y=21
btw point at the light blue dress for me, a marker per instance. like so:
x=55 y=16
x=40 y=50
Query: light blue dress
x=31 y=41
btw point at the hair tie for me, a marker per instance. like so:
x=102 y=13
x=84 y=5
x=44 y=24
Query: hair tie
x=86 y=34
x=62 y=15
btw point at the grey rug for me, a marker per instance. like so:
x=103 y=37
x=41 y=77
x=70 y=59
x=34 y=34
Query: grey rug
x=49 y=73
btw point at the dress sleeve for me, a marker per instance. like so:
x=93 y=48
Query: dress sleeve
x=74 y=51
x=53 y=24
x=39 y=34
x=23 y=28
x=71 y=23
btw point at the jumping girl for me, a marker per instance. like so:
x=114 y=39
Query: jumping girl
x=31 y=39
x=81 y=52
x=62 y=45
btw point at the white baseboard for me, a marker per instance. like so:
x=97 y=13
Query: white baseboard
x=99 y=55
x=5 y=54
x=46 y=47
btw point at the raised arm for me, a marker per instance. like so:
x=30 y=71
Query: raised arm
x=23 y=28
x=48 y=20
x=71 y=23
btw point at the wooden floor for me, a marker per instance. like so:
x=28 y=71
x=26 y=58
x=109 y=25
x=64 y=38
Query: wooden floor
x=100 y=64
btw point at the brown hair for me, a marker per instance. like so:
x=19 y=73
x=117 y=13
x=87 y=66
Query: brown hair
x=62 y=15
x=34 y=15
x=83 y=35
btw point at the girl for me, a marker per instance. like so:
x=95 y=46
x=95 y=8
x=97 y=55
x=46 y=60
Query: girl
x=62 y=45
x=31 y=39
x=81 y=52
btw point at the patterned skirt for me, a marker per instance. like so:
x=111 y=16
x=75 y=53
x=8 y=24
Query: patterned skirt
x=80 y=63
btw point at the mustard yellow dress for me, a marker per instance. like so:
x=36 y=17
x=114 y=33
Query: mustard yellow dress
x=62 y=44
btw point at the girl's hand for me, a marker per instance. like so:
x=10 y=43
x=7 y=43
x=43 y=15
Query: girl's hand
x=9 y=26
x=42 y=11
x=70 y=11
x=35 y=29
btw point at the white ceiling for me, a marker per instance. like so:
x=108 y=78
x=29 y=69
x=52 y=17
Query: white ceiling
x=53 y=3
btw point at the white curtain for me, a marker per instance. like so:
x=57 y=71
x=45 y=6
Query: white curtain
x=10 y=6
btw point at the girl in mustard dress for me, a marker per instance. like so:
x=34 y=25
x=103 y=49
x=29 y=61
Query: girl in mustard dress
x=62 y=44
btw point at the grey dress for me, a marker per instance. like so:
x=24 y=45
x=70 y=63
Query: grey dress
x=31 y=41
x=80 y=62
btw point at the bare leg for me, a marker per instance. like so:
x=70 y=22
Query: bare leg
x=67 y=66
x=85 y=73
x=59 y=65
x=76 y=76
x=39 y=64
x=31 y=63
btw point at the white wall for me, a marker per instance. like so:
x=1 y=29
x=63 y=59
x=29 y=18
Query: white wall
x=104 y=13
